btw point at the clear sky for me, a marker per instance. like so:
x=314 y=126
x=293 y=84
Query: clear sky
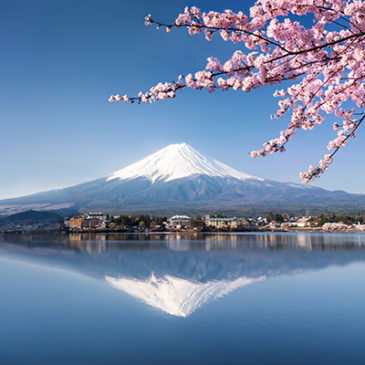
x=61 y=59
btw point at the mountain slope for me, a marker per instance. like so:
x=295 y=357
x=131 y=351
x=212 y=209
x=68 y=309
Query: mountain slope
x=180 y=178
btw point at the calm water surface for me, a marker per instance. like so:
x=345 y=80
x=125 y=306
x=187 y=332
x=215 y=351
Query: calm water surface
x=182 y=299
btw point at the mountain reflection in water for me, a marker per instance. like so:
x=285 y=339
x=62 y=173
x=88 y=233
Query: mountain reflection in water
x=178 y=273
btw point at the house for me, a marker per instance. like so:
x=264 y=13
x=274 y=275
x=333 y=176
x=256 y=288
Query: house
x=285 y=225
x=304 y=222
x=274 y=225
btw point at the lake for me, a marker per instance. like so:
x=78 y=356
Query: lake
x=267 y=298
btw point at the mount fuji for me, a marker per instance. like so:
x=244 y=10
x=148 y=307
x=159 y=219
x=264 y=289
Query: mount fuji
x=179 y=178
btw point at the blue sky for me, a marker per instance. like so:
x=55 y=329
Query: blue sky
x=61 y=59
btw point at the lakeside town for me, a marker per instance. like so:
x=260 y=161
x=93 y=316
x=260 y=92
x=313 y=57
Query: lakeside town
x=100 y=222
x=218 y=223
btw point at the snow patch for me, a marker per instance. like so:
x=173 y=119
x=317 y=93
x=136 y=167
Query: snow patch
x=296 y=186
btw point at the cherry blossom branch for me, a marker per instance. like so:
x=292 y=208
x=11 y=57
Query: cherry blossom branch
x=314 y=173
x=200 y=26
x=328 y=64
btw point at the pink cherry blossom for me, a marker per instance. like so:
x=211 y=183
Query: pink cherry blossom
x=323 y=62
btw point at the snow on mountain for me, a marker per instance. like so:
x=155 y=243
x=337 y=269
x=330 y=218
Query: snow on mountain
x=180 y=178
x=177 y=161
x=176 y=296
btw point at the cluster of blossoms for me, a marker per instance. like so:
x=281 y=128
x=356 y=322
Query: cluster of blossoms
x=328 y=64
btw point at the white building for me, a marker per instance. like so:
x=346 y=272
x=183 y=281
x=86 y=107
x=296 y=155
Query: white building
x=179 y=221
x=304 y=222
x=224 y=222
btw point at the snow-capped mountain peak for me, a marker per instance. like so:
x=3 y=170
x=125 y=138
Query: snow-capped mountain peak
x=177 y=161
x=180 y=178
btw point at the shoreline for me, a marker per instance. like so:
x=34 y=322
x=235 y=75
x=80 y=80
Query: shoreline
x=67 y=232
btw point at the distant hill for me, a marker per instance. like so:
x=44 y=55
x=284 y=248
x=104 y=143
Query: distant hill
x=180 y=179
x=31 y=219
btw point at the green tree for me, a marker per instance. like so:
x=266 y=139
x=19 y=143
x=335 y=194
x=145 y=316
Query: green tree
x=197 y=223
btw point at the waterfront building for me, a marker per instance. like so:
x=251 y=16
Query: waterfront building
x=76 y=222
x=179 y=221
x=304 y=222
x=225 y=223
x=93 y=221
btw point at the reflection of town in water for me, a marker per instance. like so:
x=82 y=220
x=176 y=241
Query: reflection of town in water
x=178 y=273
x=185 y=241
